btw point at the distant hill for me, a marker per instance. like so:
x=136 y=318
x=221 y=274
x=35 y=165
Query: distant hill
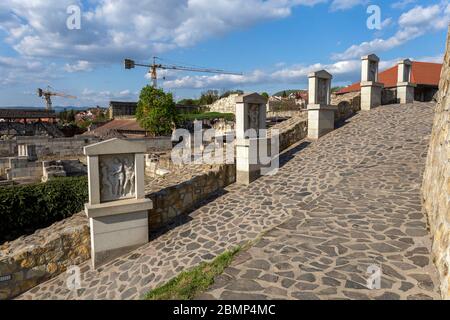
x=288 y=92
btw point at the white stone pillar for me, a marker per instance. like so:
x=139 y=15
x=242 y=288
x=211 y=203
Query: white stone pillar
x=250 y=119
x=370 y=87
x=405 y=89
x=320 y=112
x=117 y=208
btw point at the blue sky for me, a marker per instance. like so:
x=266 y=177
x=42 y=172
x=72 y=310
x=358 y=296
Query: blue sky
x=275 y=43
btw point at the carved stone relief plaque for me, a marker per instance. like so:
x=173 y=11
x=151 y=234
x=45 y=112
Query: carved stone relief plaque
x=253 y=116
x=322 y=94
x=373 y=71
x=117 y=177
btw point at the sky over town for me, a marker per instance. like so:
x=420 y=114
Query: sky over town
x=274 y=43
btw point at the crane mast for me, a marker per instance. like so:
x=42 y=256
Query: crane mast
x=47 y=95
x=153 y=69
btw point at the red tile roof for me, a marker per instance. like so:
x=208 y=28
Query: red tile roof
x=423 y=73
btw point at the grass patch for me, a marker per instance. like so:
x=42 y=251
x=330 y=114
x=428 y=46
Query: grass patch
x=207 y=116
x=189 y=284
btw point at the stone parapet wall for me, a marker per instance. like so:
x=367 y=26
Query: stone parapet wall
x=31 y=260
x=174 y=201
x=436 y=186
x=285 y=114
x=291 y=131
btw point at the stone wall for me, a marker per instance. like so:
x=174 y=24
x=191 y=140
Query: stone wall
x=224 y=105
x=47 y=146
x=31 y=260
x=292 y=130
x=177 y=200
x=21 y=168
x=436 y=186
x=285 y=114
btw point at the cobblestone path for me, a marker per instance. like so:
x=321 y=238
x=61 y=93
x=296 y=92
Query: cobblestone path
x=337 y=206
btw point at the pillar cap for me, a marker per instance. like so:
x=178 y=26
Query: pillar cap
x=323 y=74
x=406 y=62
x=371 y=57
x=115 y=146
x=251 y=98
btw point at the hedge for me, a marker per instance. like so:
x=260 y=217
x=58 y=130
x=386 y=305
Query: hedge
x=26 y=208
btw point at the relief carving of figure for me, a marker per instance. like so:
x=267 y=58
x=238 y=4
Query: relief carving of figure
x=129 y=186
x=373 y=71
x=253 y=116
x=323 y=91
x=117 y=178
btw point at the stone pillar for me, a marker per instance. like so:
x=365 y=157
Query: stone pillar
x=405 y=89
x=250 y=119
x=370 y=87
x=117 y=208
x=320 y=112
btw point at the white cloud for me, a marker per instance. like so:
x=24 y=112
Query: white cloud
x=114 y=29
x=25 y=70
x=402 y=4
x=296 y=74
x=79 y=66
x=412 y=24
x=102 y=98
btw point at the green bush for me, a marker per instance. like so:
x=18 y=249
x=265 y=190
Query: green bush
x=26 y=208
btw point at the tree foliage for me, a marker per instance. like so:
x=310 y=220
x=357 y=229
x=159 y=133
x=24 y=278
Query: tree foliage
x=156 y=111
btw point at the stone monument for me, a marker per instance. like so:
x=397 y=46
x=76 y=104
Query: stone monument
x=117 y=208
x=320 y=112
x=405 y=89
x=250 y=119
x=370 y=87
x=27 y=151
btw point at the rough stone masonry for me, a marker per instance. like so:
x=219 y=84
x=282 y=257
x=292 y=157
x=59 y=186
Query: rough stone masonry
x=436 y=186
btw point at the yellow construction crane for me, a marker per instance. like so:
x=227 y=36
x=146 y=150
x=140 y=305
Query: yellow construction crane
x=130 y=64
x=47 y=95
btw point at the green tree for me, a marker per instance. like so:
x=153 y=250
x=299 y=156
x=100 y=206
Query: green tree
x=265 y=95
x=284 y=94
x=209 y=97
x=156 y=111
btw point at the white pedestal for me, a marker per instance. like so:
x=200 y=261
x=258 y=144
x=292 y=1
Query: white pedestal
x=248 y=168
x=370 y=95
x=117 y=228
x=320 y=120
x=405 y=92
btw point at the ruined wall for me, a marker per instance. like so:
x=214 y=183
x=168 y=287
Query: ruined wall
x=225 y=105
x=19 y=168
x=436 y=186
x=31 y=260
x=47 y=146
